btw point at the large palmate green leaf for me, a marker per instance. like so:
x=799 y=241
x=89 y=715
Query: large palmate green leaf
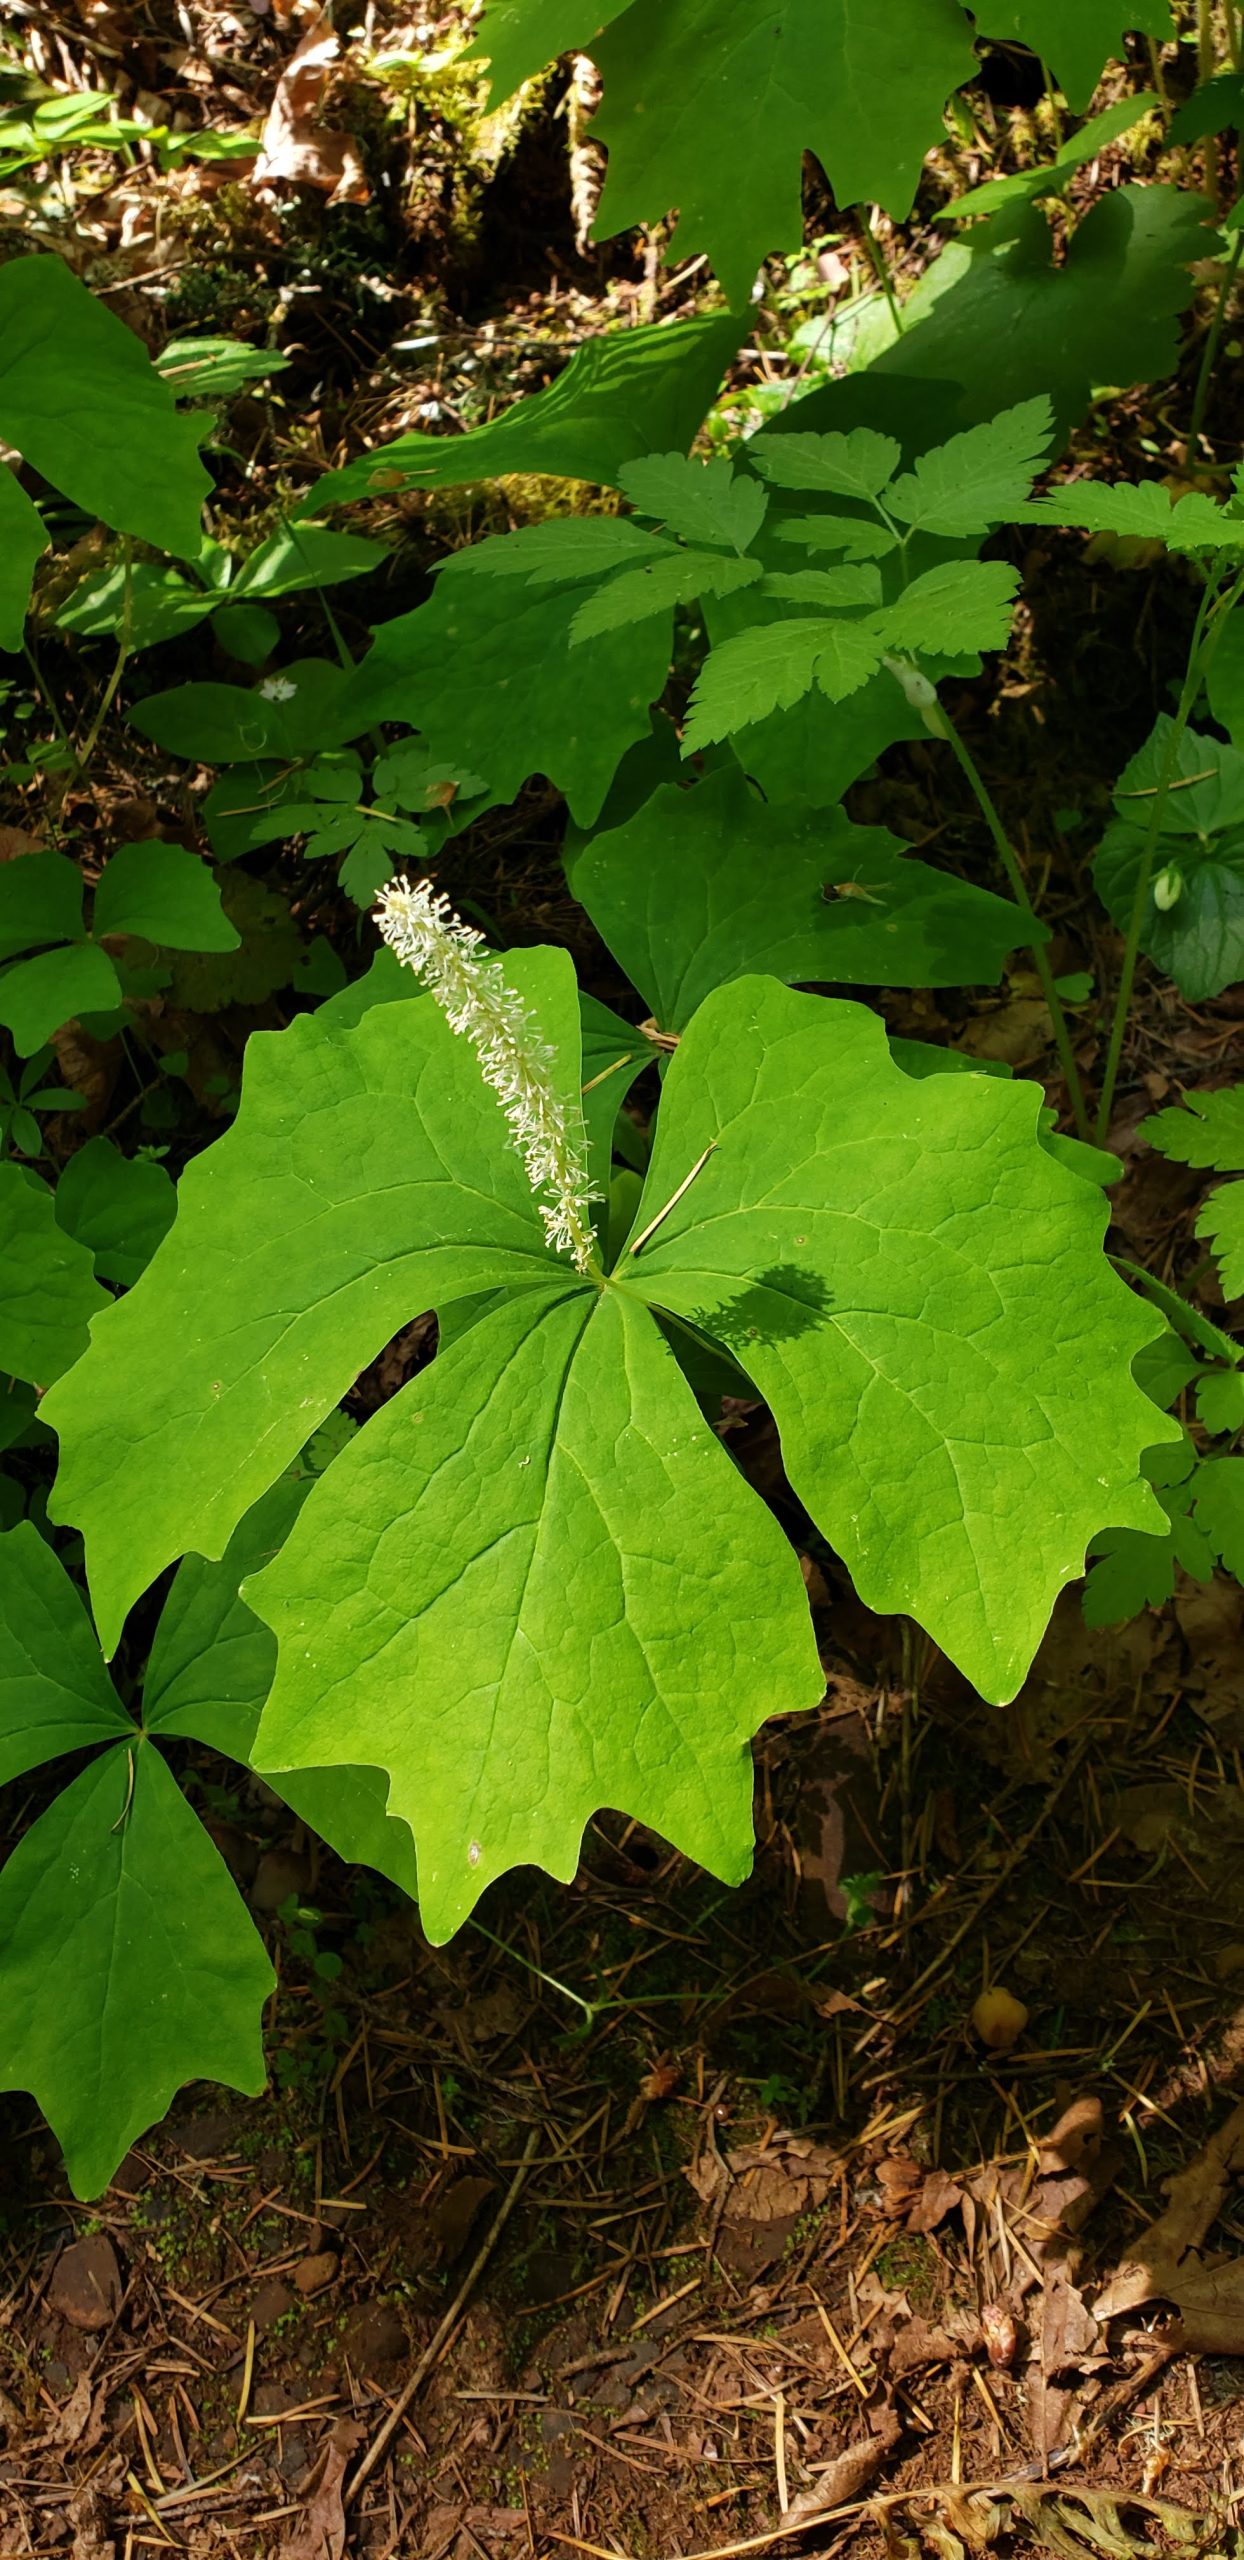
x=334 y=1210
x=129 y=1964
x=710 y=884
x=209 y=1672
x=853 y=1239
x=55 y=1694
x=82 y=401
x=48 y=1288
x=999 y=316
x=1193 y=927
x=696 y=94
x=541 y=1541
x=492 y=681
x=630 y=392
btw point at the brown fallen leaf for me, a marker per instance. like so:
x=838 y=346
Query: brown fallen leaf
x=917 y=2345
x=791 y=2176
x=320 y=2532
x=938 y=2196
x=1168 y=2264
x=847 y=2474
x=79 y=2421
x=292 y=149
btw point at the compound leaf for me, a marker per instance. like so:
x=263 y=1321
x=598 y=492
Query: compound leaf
x=854 y=1237
x=1218 y=1509
x=48 y=1289
x=979 y=478
x=702 y=501
x=1210 y=1132
x=539 y=1544
x=164 y=893
x=129 y=1963
x=857 y=464
x=710 y=884
x=81 y=399
x=773 y=665
x=677 y=579
x=55 y=1694
x=368 y=1175
x=954 y=610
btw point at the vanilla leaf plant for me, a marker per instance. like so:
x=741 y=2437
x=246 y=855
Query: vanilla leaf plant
x=534 y=1583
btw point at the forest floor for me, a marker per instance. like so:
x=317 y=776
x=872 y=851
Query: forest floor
x=648 y=2220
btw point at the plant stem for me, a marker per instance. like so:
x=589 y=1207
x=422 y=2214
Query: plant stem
x=1204 y=72
x=1159 y=76
x=1200 y=651
x=1233 y=33
x=877 y=258
x=84 y=753
x=1209 y=352
x=1009 y=860
x=1055 y=115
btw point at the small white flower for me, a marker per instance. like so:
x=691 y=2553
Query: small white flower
x=421 y=927
x=278 y=689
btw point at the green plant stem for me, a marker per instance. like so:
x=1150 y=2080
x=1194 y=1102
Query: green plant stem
x=1159 y=76
x=1205 y=59
x=84 y=753
x=1209 y=352
x=1233 y=33
x=1009 y=860
x=1213 y=610
x=880 y=268
x=1055 y=113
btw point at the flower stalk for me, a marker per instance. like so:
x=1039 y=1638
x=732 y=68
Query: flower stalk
x=422 y=929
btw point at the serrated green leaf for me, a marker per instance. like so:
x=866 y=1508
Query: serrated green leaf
x=40 y=901
x=505 y=694
x=129 y=1963
x=856 y=582
x=711 y=884
x=702 y=501
x=1148 y=510
x=333 y=1211
x=1218 y=1509
x=658 y=587
x=624 y=393
x=1220 y=1401
x=559 y=552
x=1199 y=939
x=771 y=666
x=601 y=1615
x=979 y=478
x=955 y=610
x=122 y=453
x=23 y=541
x=859 y=464
x=852 y=534
x=165 y=894
x=118 y=1206
x=55 y=1694
x=1217 y=106
x=48 y=1288
x=1207 y=1131
x=852 y=1239
x=38 y=996
x=1075 y=37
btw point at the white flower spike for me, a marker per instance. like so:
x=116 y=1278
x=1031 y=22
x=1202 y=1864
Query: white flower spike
x=421 y=927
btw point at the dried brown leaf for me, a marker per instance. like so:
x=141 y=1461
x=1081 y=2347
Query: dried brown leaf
x=1168 y=2264
x=293 y=149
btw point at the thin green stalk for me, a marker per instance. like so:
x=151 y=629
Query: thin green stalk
x=1213 y=610
x=1233 y=33
x=1055 y=114
x=109 y=694
x=1009 y=860
x=1159 y=76
x=1209 y=352
x=881 y=270
x=1206 y=65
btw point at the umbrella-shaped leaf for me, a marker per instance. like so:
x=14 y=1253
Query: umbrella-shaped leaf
x=165 y=894
x=368 y=1175
x=55 y=1694
x=48 y=1288
x=128 y=1964
x=38 y=996
x=40 y=901
x=712 y=883
x=919 y=1292
x=533 y=1586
